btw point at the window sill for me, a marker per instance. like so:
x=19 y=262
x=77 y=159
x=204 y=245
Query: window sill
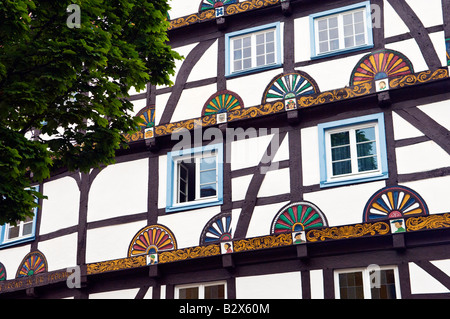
x=17 y=241
x=353 y=180
x=254 y=70
x=193 y=205
x=341 y=51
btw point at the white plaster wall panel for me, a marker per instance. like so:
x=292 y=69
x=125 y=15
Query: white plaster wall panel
x=344 y=205
x=160 y=105
x=149 y=293
x=310 y=156
x=412 y=51
x=118 y=190
x=235 y=213
x=274 y=286
x=60 y=252
x=191 y=102
x=283 y=151
x=422 y=282
x=117 y=294
x=393 y=24
x=275 y=182
x=162 y=181
x=239 y=187
x=332 y=74
x=443 y=265
x=439 y=111
x=138 y=105
x=429 y=11
x=421 y=157
x=183 y=51
x=248 y=152
x=251 y=87
x=181 y=8
x=61 y=209
x=316 y=279
x=262 y=218
x=403 y=129
x=435 y=197
x=302 y=48
x=112 y=242
x=187 y=226
x=206 y=67
x=438 y=40
x=11 y=259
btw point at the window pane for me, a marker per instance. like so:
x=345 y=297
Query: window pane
x=360 y=39
x=208 y=163
x=323 y=35
x=348 y=30
x=270 y=36
x=359 y=28
x=367 y=164
x=348 y=19
x=270 y=47
x=237 y=55
x=208 y=176
x=338 y=139
x=323 y=47
x=13 y=232
x=208 y=190
x=270 y=58
x=351 y=286
x=260 y=49
x=364 y=135
x=27 y=229
x=322 y=24
x=260 y=60
x=333 y=22
x=247 y=63
x=349 y=42
x=359 y=16
x=215 y=292
x=366 y=149
x=344 y=167
x=334 y=33
x=340 y=153
x=188 y=293
x=237 y=65
x=386 y=289
x=247 y=53
x=260 y=39
x=334 y=45
x=246 y=42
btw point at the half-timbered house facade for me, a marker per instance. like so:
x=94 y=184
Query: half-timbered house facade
x=302 y=152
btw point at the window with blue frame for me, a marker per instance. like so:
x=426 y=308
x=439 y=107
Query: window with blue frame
x=253 y=49
x=195 y=178
x=23 y=231
x=352 y=150
x=341 y=30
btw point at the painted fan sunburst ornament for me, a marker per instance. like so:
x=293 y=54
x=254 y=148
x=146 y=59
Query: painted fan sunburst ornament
x=290 y=85
x=379 y=65
x=211 y=4
x=150 y=240
x=147 y=115
x=218 y=229
x=33 y=263
x=298 y=216
x=222 y=102
x=394 y=202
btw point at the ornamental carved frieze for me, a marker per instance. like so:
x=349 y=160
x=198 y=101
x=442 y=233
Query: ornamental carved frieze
x=345 y=232
x=263 y=242
x=189 y=253
x=428 y=222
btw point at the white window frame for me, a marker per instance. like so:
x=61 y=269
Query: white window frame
x=366 y=280
x=253 y=32
x=339 y=13
x=201 y=288
x=174 y=158
x=196 y=158
x=326 y=129
x=353 y=152
x=20 y=224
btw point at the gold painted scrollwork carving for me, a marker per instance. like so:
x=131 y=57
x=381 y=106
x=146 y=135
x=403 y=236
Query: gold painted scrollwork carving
x=417 y=78
x=263 y=242
x=188 y=253
x=428 y=222
x=117 y=264
x=359 y=230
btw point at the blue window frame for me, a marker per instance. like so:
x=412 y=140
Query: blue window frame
x=24 y=231
x=352 y=150
x=253 y=49
x=341 y=30
x=195 y=178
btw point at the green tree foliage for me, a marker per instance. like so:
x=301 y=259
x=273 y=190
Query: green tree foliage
x=63 y=90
